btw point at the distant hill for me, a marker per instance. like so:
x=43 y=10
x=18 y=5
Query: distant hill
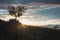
x=13 y=30
x=53 y=26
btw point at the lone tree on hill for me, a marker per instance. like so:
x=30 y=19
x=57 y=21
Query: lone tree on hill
x=16 y=11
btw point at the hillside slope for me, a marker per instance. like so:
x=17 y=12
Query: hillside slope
x=13 y=30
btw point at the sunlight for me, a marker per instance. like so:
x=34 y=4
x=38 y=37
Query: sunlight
x=29 y=22
x=25 y=21
x=39 y=23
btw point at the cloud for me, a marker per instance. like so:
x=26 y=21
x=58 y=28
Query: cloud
x=6 y=17
x=54 y=21
x=33 y=21
x=32 y=5
x=41 y=6
x=32 y=14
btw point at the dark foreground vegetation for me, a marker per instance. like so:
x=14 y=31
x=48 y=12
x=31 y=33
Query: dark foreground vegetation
x=13 y=30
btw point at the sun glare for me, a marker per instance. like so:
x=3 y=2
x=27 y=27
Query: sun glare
x=25 y=21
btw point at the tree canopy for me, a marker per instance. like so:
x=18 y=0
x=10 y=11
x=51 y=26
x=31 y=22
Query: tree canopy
x=16 y=10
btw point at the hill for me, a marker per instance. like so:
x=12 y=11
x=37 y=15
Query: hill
x=13 y=30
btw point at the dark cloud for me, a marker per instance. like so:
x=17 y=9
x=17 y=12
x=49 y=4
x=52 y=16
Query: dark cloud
x=5 y=3
x=29 y=1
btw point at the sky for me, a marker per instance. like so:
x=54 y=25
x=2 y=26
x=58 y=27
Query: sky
x=40 y=12
x=29 y=1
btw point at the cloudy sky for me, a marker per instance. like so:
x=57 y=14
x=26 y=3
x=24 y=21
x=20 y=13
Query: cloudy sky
x=40 y=12
x=29 y=1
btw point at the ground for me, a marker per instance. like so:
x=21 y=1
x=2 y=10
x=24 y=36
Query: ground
x=13 y=30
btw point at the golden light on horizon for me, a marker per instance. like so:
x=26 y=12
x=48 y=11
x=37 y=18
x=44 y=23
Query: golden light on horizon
x=29 y=22
x=25 y=21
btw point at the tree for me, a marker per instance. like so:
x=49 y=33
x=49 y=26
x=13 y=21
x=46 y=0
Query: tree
x=16 y=10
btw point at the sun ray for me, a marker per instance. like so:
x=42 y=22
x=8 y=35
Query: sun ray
x=25 y=21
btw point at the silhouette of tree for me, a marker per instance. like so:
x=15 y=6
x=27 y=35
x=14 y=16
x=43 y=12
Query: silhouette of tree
x=16 y=11
x=11 y=10
x=20 y=10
